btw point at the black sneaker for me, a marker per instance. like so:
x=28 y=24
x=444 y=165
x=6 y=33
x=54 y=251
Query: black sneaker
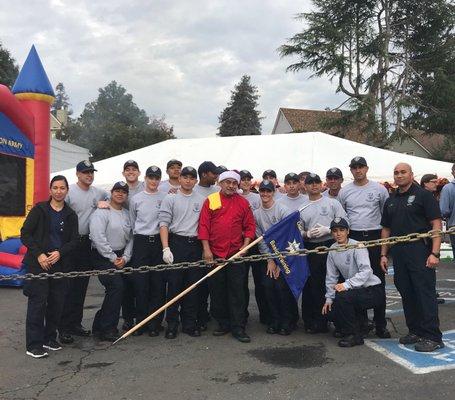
x=284 y=332
x=271 y=330
x=241 y=336
x=37 y=353
x=383 y=333
x=53 y=345
x=154 y=332
x=427 y=345
x=65 y=338
x=192 y=332
x=108 y=336
x=170 y=333
x=220 y=331
x=410 y=338
x=350 y=341
x=338 y=334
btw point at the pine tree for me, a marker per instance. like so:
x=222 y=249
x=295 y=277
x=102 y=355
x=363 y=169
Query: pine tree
x=8 y=68
x=61 y=101
x=240 y=117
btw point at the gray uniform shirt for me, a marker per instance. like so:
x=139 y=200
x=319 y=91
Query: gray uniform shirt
x=321 y=212
x=206 y=190
x=144 y=210
x=165 y=186
x=111 y=230
x=180 y=213
x=327 y=194
x=254 y=199
x=293 y=203
x=265 y=218
x=84 y=203
x=353 y=265
x=133 y=192
x=363 y=205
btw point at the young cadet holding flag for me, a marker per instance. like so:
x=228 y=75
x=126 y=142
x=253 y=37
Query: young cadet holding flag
x=179 y=216
x=280 y=300
x=316 y=220
x=147 y=250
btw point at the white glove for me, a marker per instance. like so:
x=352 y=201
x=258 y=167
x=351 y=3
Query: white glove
x=320 y=230
x=311 y=233
x=168 y=257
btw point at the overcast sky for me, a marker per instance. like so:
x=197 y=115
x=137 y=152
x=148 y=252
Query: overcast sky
x=177 y=58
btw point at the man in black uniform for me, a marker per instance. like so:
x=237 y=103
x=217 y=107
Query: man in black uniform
x=413 y=209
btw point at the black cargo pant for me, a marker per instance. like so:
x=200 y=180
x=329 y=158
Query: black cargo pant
x=417 y=286
x=73 y=308
x=44 y=310
x=280 y=300
x=107 y=317
x=375 y=261
x=165 y=285
x=348 y=304
x=227 y=296
x=147 y=250
x=313 y=295
x=258 y=272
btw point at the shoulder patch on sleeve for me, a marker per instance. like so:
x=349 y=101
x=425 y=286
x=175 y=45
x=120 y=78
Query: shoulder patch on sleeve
x=214 y=201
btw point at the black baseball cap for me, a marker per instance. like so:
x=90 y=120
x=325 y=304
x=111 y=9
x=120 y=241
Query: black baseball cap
x=244 y=173
x=267 y=185
x=334 y=172
x=312 y=178
x=221 y=169
x=268 y=172
x=130 y=163
x=303 y=174
x=358 y=161
x=339 y=223
x=120 y=186
x=172 y=162
x=208 y=166
x=85 y=166
x=189 y=171
x=153 y=172
x=291 y=177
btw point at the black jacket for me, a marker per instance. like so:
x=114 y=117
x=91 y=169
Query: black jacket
x=35 y=236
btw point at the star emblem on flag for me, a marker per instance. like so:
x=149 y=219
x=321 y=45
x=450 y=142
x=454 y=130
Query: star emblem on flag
x=294 y=247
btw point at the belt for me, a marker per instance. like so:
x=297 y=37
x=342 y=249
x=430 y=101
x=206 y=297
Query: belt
x=189 y=239
x=84 y=237
x=150 y=238
x=366 y=233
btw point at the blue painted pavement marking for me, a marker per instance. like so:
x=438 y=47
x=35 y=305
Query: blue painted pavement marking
x=418 y=363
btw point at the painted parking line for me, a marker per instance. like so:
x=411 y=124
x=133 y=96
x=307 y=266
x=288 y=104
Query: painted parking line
x=418 y=363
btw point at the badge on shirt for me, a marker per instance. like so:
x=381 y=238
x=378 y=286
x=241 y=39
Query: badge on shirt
x=411 y=200
x=158 y=204
x=196 y=207
x=348 y=259
x=324 y=211
x=370 y=196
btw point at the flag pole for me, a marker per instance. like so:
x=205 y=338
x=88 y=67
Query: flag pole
x=187 y=290
x=195 y=284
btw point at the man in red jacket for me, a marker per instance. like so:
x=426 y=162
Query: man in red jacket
x=226 y=225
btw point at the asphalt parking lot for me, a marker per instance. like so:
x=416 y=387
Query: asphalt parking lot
x=299 y=366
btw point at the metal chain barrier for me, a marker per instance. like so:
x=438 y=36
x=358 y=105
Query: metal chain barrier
x=412 y=237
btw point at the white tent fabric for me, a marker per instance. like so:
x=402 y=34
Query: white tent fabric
x=309 y=151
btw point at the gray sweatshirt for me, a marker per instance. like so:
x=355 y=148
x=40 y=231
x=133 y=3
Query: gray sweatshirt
x=321 y=212
x=206 y=191
x=144 y=210
x=354 y=267
x=180 y=213
x=265 y=218
x=363 y=205
x=84 y=203
x=254 y=199
x=165 y=186
x=110 y=230
x=293 y=203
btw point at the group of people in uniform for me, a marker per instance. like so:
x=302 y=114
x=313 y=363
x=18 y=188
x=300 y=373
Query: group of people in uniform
x=212 y=213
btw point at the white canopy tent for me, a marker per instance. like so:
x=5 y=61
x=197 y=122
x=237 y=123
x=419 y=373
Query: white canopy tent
x=309 y=151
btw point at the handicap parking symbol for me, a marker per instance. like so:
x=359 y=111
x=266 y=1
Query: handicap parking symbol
x=416 y=362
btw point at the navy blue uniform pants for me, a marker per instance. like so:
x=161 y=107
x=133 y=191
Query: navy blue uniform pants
x=417 y=286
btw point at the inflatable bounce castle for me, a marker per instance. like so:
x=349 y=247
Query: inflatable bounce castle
x=24 y=157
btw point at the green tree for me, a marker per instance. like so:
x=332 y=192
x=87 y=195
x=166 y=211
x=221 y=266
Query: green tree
x=8 y=67
x=61 y=101
x=372 y=48
x=113 y=124
x=240 y=117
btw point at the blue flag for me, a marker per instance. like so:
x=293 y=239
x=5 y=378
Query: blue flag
x=285 y=236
